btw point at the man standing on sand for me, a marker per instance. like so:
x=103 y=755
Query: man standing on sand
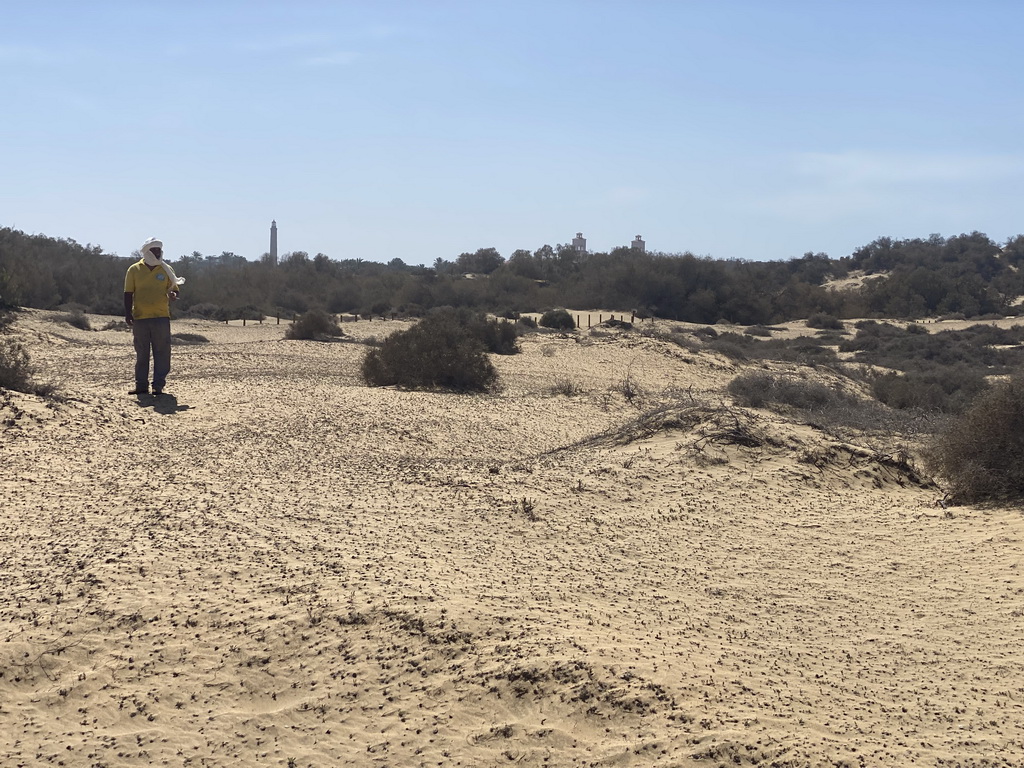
x=150 y=286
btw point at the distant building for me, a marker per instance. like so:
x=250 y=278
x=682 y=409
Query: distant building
x=638 y=244
x=273 y=243
x=579 y=243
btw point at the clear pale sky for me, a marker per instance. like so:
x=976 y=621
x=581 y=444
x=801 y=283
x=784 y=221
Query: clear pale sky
x=421 y=129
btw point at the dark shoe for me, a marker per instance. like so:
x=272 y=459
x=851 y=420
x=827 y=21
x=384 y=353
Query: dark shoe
x=158 y=390
x=138 y=391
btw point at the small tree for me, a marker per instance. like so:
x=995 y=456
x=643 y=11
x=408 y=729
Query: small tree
x=981 y=455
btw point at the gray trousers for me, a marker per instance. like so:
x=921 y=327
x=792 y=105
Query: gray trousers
x=152 y=334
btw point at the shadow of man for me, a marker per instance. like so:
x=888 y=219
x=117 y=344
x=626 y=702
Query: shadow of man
x=166 y=404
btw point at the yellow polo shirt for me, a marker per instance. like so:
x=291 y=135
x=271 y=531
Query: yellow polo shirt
x=149 y=291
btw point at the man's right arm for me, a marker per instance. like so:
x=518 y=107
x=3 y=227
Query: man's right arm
x=128 y=299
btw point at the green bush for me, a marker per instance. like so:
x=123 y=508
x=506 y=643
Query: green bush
x=981 y=455
x=314 y=325
x=497 y=336
x=439 y=352
x=559 y=319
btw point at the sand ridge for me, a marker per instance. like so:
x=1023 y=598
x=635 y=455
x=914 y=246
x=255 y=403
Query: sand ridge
x=277 y=565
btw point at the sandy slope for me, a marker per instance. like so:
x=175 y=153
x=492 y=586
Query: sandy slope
x=279 y=566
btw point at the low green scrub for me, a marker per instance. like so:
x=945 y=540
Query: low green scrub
x=760 y=389
x=442 y=351
x=559 y=319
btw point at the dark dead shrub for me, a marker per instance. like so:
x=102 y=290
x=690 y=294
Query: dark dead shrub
x=315 y=325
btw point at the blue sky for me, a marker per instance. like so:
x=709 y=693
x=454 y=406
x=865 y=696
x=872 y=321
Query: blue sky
x=375 y=129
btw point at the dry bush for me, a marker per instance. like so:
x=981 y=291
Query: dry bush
x=75 y=318
x=981 y=455
x=15 y=371
x=566 y=386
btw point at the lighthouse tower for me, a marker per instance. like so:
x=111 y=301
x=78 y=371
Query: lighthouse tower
x=273 y=243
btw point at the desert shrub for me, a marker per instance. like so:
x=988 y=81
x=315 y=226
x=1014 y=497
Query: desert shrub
x=188 y=338
x=758 y=330
x=824 y=406
x=566 y=386
x=15 y=371
x=559 y=319
x=824 y=320
x=527 y=321
x=981 y=455
x=75 y=318
x=981 y=346
x=735 y=346
x=498 y=336
x=247 y=312
x=439 y=352
x=707 y=332
x=678 y=337
x=946 y=389
x=313 y=325
x=803 y=350
x=729 y=349
x=759 y=389
x=208 y=311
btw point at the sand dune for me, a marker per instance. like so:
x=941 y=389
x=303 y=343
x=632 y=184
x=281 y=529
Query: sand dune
x=277 y=565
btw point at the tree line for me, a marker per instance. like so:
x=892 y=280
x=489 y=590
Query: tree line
x=968 y=274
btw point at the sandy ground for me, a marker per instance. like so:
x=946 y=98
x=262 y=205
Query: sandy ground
x=276 y=565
